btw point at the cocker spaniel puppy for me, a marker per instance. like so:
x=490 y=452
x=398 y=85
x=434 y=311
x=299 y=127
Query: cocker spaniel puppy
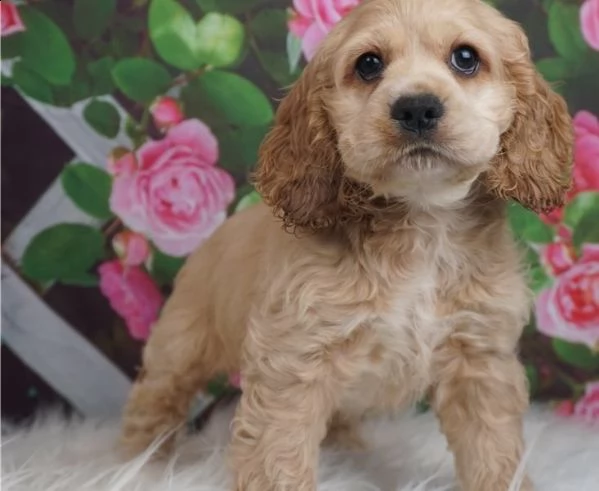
x=380 y=268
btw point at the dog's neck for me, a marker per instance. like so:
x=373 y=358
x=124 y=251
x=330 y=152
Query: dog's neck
x=392 y=218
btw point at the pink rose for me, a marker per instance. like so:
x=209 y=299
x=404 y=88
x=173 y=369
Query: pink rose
x=586 y=152
x=589 y=22
x=569 y=309
x=558 y=257
x=585 y=174
x=121 y=161
x=171 y=191
x=132 y=248
x=312 y=20
x=132 y=294
x=587 y=407
x=564 y=233
x=554 y=217
x=166 y=112
x=10 y=20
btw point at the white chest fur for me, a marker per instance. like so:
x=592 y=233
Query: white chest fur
x=406 y=327
x=398 y=369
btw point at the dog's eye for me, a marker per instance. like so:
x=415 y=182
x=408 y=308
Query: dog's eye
x=369 y=66
x=464 y=59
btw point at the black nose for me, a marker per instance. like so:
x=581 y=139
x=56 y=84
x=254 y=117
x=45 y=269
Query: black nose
x=417 y=114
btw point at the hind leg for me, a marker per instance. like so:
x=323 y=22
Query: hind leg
x=179 y=359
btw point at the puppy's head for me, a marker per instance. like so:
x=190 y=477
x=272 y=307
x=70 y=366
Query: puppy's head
x=413 y=101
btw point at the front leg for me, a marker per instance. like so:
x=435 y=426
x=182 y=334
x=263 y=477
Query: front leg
x=276 y=435
x=292 y=381
x=480 y=397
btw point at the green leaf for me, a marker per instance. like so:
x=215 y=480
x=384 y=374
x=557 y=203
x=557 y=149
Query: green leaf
x=587 y=231
x=124 y=43
x=11 y=47
x=101 y=76
x=42 y=47
x=219 y=40
x=230 y=6
x=275 y=63
x=564 y=31
x=527 y=226
x=164 y=268
x=269 y=27
x=81 y=85
x=577 y=355
x=173 y=33
x=586 y=203
x=539 y=279
x=92 y=17
x=239 y=147
x=547 y=3
x=555 y=69
x=102 y=117
x=210 y=98
x=32 y=84
x=62 y=15
x=89 y=188
x=63 y=252
x=6 y=81
x=581 y=214
x=134 y=131
x=294 y=51
x=78 y=90
x=248 y=200
x=532 y=375
x=218 y=385
x=141 y=79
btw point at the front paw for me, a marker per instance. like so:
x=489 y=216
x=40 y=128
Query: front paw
x=259 y=482
x=493 y=483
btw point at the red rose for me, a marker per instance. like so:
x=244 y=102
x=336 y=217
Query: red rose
x=9 y=19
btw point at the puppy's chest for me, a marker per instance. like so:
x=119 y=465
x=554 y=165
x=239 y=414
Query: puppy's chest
x=407 y=311
x=405 y=329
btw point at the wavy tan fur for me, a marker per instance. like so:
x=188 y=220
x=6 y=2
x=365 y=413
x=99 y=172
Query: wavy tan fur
x=375 y=273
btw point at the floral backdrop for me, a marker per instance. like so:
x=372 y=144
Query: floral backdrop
x=199 y=80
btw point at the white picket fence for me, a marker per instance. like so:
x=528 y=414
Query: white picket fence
x=71 y=365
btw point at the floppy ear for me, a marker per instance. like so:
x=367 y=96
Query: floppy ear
x=534 y=163
x=299 y=169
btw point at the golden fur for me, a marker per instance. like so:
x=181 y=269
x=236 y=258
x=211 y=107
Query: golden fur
x=400 y=278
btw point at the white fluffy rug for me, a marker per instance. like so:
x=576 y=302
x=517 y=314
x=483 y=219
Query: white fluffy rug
x=408 y=454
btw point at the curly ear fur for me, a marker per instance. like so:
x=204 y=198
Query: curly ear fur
x=300 y=171
x=535 y=159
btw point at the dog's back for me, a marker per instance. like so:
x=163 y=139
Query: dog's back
x=216 y=286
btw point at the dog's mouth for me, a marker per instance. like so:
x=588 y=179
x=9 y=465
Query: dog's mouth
x=424 y=156
x=423 y=147
x=422 y=151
